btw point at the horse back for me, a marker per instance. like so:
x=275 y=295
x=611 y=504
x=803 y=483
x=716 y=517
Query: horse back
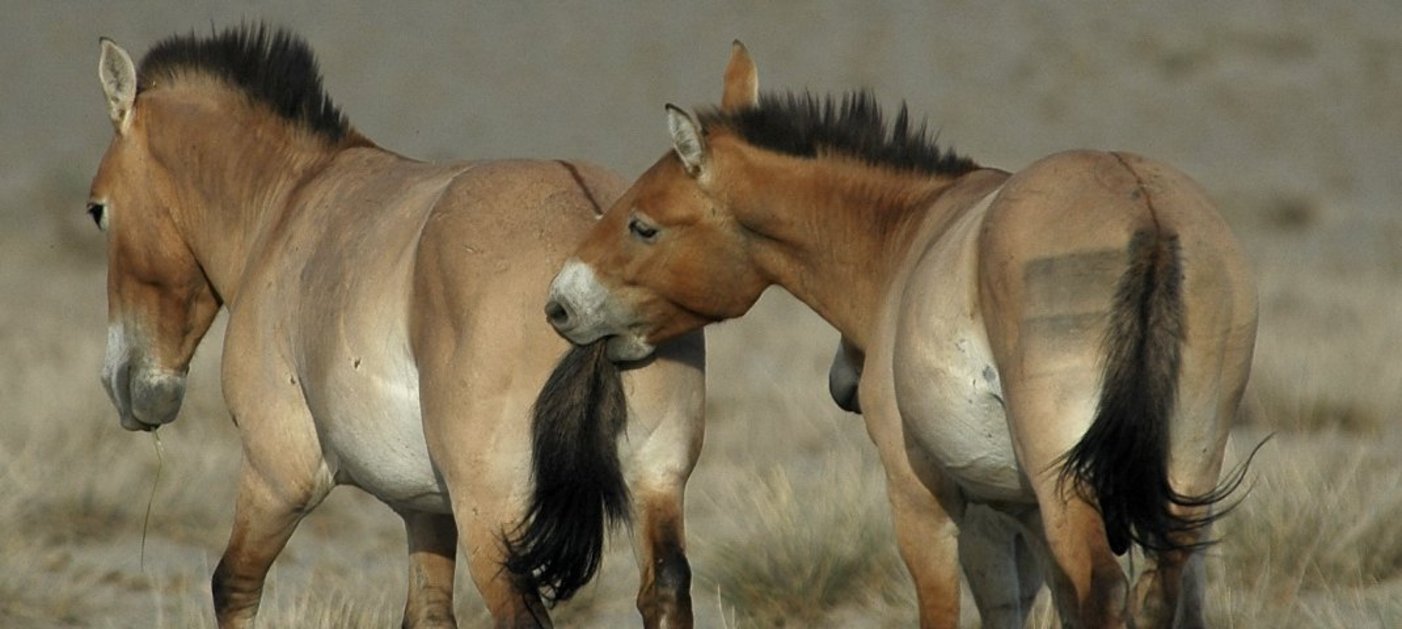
x=497 y=235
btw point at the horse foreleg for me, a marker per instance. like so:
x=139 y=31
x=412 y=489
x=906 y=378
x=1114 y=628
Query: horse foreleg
x=667 y=404
x=265 y=515
x=664 y=595
x=928 y=540
x=433 y=545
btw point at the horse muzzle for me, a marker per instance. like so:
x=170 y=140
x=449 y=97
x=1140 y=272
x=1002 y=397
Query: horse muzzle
x=581 y=309
x=145 y=398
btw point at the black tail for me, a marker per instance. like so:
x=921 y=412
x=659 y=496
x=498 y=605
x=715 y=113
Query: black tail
x=1121 y=464
x=579 y=489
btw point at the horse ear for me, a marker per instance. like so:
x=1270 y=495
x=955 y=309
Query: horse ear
x=686 y=140
x=741 y=80
x=118 y=75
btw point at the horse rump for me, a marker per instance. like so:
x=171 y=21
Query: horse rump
x=1121 y=463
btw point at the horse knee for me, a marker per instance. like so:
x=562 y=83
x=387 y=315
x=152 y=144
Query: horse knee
x=236 y=598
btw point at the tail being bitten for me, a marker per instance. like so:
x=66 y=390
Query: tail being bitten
x=579 y=489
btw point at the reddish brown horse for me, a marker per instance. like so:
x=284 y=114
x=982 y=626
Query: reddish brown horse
x=383 y=329
x=1049 y=360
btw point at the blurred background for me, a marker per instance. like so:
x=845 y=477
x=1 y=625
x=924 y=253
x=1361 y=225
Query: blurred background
x=1289 y=113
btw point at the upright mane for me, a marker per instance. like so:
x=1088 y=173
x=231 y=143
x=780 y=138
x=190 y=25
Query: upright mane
x=804 y=125
x=275 y=68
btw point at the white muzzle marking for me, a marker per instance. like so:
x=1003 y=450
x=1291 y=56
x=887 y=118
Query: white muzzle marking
x=594 y=314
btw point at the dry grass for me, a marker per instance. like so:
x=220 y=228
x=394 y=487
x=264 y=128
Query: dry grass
x=799 y=550
x=1317 y=535
x=822 y=549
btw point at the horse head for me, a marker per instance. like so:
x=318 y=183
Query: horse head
x=159 y=301
x=669 y=256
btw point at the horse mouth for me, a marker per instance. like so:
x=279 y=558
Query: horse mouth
x=626 y=348
x=135 y=425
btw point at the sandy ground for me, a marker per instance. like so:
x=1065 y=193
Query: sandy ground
x=1290 y=113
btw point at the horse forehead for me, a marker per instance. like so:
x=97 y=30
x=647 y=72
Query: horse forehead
x=121 y=161
x=664 y=175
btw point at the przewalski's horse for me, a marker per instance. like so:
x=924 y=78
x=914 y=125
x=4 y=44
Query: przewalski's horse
x=384 y=326
x=1056 y=353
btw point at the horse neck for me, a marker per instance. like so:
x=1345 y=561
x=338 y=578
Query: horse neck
x=235 y=169
x=833 y=231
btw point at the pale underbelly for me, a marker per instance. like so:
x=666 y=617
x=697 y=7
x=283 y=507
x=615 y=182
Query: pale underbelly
x=954 y=414
x=970 y=443
x=372 y=434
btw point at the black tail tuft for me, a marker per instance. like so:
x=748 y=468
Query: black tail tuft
x=1121 y=464
x=579 y=490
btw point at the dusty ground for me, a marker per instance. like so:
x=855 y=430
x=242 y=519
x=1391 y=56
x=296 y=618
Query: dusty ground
x=1289 y=113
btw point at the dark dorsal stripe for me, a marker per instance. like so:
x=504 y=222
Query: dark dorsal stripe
x=805 y=126
x=272 y=66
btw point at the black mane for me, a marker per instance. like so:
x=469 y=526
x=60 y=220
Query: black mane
x=805 y=126
x=275 y=68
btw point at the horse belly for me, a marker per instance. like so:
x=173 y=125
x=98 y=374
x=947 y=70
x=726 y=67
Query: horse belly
x=953 y=411
x=371 y=427
x=946 y=383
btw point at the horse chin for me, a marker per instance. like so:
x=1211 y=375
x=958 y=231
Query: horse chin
x=626 y=348
x=135 y=425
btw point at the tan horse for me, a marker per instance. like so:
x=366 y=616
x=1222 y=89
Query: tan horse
x=384 y=325
x=1049 y=361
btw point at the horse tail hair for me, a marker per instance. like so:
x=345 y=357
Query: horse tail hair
x=1121 y=463
x=578 y=488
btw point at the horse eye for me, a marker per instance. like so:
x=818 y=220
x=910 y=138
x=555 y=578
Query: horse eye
x=97 y=211
x=642 y=230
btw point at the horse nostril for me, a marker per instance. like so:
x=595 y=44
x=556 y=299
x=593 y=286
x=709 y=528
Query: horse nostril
x=557 y=314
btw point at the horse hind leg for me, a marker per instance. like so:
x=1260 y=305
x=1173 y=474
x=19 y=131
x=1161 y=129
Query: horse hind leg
x=1003 y=575
x=1169 y=593
x=1087 y=583
x=511 y=601
x=433 y=540
x=266 y=513
x=666 y=425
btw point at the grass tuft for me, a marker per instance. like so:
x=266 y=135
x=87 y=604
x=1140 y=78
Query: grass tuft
x=794 y=556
